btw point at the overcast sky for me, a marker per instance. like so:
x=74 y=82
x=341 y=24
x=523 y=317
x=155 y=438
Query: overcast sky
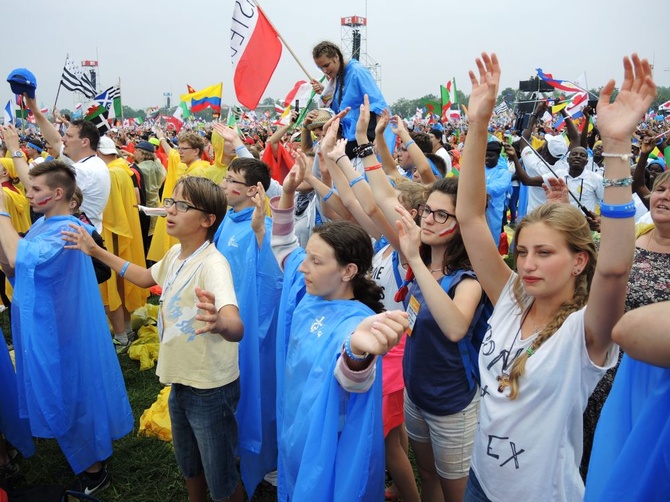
x=158 y=46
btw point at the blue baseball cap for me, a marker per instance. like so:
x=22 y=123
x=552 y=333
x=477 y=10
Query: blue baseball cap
x=22 y=80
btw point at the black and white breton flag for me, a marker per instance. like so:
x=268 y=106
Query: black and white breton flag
x=501 y=108
x=74 y=79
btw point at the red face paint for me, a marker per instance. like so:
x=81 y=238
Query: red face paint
x=235 y=192
x=448 y=231
x=44 y=201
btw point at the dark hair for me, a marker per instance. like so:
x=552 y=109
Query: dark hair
x=57 y=175
x=253 y=170
x=439 y=162
x=87 y=130
x=330 y=50
x=206 y=195
x=455 y=255
x=351 y=244
x=422 y=141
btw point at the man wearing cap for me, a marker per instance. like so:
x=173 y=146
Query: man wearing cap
x=552 y=152
x=122 y=235
x=154 y=176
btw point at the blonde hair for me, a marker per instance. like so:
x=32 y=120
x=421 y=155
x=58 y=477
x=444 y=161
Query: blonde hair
x=573 y=227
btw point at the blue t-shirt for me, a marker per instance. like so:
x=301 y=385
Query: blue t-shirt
x=433 y=368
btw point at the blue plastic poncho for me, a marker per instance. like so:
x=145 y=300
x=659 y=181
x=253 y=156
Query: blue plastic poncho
x=15 y=429
x=258 y=282
x=630 y=459
x=331 y=444
x=69 y=380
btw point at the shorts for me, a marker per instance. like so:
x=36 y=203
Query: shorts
x=452 y=436
x=204 y=434
x=393 y=410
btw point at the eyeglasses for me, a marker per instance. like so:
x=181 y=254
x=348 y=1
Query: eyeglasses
x=439 y=215
x=182 y=206
x=228 y=179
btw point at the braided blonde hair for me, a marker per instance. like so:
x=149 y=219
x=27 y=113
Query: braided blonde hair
x=572 y=225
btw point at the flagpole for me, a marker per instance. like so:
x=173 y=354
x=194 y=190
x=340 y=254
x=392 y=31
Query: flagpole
x=120 y=101
x=60 y=83
x=283 y=41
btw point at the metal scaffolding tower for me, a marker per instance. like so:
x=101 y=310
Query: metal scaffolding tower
x=354 y=44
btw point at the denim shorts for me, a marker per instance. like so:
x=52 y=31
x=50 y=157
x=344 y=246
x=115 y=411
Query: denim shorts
x=204 y=434
x=474 y=491
x=451 y=436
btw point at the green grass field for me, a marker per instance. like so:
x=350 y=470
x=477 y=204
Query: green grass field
x=142 y=469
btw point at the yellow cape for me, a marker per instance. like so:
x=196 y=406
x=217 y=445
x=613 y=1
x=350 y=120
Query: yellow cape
x=19 y=213
x=123 y=236
x=161 y=242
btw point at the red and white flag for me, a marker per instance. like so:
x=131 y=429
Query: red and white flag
x=255 y=51
x=664 y=107
x=301 y=92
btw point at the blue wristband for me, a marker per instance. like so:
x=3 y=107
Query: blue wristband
x=617 y=210
x=240 y=148
x=5 y=214
x=328 y=195
x=123 y=270
x=350 y=354
x=356 y=180
x=409 y=143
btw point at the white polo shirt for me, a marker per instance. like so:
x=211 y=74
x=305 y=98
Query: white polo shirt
x=95 y=183
x=587 y=187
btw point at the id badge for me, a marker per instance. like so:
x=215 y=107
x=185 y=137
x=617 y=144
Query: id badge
x=412 y=311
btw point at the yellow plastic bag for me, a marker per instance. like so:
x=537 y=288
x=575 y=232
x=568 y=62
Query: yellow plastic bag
x=155 y=422
x=145 y=348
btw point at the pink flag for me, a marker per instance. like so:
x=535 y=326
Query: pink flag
x=255 y=51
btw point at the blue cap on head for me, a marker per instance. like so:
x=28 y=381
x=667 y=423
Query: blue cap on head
x=22 y=80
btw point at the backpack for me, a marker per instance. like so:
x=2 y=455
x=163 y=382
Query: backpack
x=470 y=344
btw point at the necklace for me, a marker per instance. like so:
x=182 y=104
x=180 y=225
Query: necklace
x=503 y=378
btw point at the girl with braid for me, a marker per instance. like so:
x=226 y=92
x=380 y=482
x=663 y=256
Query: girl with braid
x=549 y=339
x=346 y=84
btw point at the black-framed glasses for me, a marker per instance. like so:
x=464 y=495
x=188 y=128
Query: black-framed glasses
x=228 y=179
x=439 y=215
x=181 y=205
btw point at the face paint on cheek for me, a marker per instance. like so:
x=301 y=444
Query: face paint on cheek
x=235 y=192
x=44 y=201
x=449 y=230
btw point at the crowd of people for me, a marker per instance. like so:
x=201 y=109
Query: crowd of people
x=331 y=298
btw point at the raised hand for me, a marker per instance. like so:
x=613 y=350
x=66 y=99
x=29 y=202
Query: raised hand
x=338 y=150
x=79 y=238
x=363 y=118
x=258 y=217
x=382 y=122
x=226 y=132
x=484 y=89
x=207 y=312
x=556 y=191
x=329 y=138
x=617 y=121
x=379 y=333
x=409 y=235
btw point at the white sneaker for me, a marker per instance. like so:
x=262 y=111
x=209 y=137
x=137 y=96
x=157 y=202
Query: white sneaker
x=271 y=477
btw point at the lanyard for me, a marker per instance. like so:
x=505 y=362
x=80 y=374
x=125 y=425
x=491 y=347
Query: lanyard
x=169 y=283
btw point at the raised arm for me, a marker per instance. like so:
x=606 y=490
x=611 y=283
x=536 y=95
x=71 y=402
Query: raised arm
x=9 y=240
x=490 y=268
x=539 y=111
x=48 y=130
x=584 y=135
x=644 y=334
x=571 y=128
x=10 y=136
x=385 y=155
x=617 y=122
x=419 y=159
x=276 y=137
x=524 y=178
x=306 y=142
x=639 y=185
x=79 y=238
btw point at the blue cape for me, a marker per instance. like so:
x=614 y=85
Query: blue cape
x=331 y=444
x=258 y=283
x=15 y=429
x=630 y=459
x=69 y=381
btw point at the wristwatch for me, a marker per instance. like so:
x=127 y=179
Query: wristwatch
x=17 y=154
